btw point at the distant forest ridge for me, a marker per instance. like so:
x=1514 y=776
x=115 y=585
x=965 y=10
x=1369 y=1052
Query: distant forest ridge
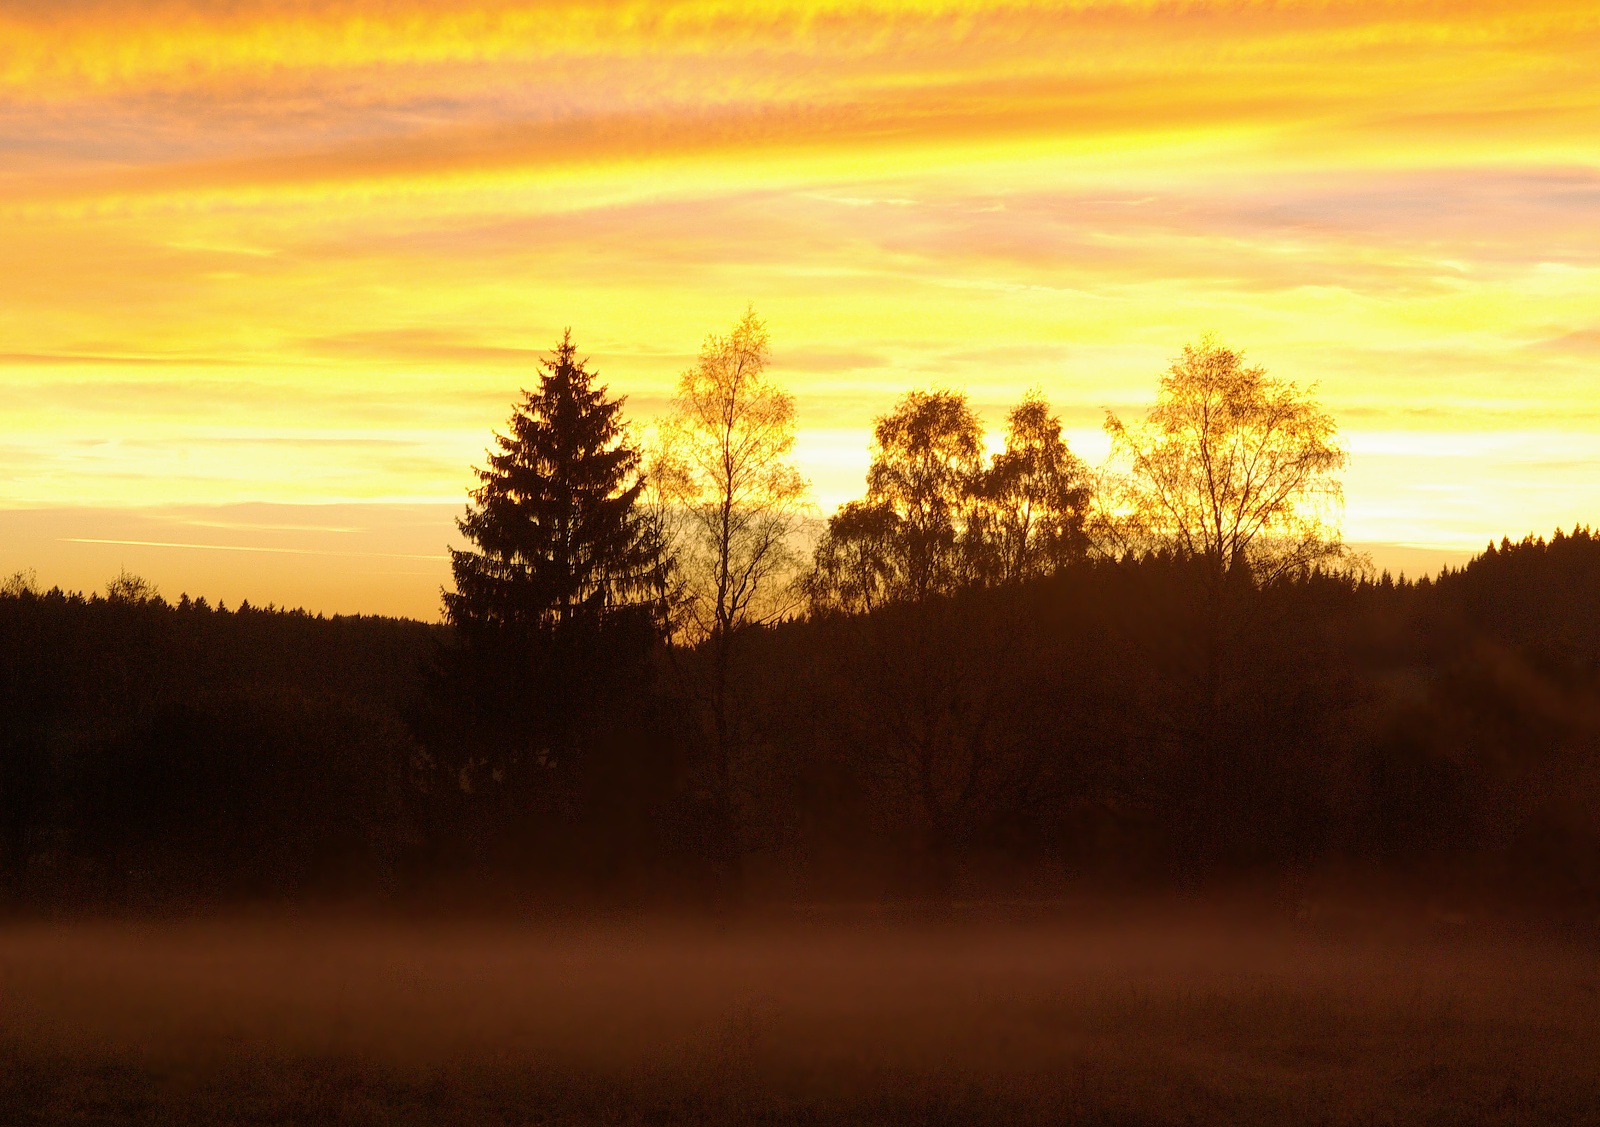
x=1090 y=728
x=1419 y=566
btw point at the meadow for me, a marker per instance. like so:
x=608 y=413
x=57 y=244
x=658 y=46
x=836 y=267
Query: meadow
x=1138 y=1015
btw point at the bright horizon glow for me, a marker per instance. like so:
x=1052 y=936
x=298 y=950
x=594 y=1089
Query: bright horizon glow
x=305 y=254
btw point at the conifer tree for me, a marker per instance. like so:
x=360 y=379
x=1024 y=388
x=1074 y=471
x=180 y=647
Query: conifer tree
x=559 y=532
x=556 y=613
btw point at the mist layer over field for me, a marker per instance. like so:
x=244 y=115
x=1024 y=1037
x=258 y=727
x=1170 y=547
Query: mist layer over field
x=1142 y=1016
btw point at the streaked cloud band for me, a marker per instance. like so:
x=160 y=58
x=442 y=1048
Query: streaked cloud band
x=310 y=251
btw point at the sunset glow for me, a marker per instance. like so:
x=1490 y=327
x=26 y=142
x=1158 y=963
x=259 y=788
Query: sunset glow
x=304 y=254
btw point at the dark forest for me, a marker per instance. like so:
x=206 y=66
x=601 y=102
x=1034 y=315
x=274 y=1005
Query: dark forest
x=956 y=698
x=1091 y=726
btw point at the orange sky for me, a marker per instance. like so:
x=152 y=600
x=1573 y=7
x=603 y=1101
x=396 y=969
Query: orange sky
x=303 y=254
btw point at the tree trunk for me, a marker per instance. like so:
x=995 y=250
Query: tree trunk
x=728 y=859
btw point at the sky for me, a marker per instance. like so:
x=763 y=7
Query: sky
x=271 y=273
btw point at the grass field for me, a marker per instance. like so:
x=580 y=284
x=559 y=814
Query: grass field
x=1136 y=1017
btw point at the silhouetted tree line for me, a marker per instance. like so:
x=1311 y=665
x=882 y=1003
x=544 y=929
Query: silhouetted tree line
x=152 y=752
x=992 y=673
x=1113 y=722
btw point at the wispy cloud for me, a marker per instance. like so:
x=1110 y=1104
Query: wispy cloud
x=249 y=548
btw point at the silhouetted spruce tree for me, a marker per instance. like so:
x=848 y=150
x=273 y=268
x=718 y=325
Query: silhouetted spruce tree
x=556 y=520
x=546 y=697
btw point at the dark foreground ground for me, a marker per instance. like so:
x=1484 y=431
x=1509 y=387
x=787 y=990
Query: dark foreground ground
x=1133 y=1017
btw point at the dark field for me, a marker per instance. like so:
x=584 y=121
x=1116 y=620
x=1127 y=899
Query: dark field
x=1137 y=1017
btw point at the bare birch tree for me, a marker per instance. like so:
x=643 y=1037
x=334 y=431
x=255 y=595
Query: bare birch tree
x=727 y=475
x=1230 y=466
x=1034 y=499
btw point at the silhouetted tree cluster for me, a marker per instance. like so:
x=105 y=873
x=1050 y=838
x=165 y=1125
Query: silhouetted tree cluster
x=995 y=673
x=936 y=518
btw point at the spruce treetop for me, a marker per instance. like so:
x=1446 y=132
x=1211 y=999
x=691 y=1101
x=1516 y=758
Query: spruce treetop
x=555 y=517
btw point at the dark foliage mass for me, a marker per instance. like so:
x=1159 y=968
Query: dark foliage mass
x=151 y=751
x=1115 y=722
x=1010 y=677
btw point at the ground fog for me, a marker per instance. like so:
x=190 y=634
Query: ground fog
x=1126 y=1017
